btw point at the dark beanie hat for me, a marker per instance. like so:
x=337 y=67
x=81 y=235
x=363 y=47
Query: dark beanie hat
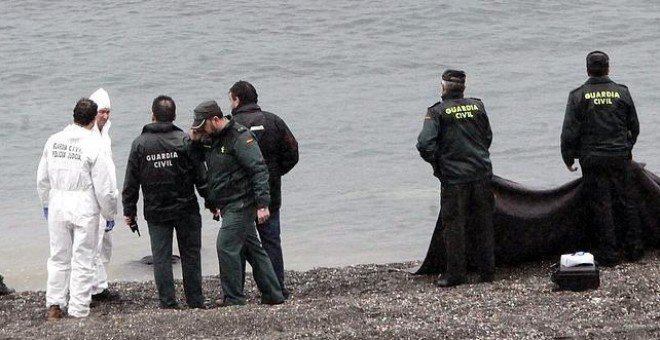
x=598 y=60
x=454 y=76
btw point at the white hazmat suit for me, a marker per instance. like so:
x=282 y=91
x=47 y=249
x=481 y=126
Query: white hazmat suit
x=75 y=184
x=104 y=246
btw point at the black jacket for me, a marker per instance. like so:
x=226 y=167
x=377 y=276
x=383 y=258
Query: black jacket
x=237 y=173
x=455 y=139
x=600 y=120
x=160 y=162
x=278 y=145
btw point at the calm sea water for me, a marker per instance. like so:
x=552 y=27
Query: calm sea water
x=352 y=80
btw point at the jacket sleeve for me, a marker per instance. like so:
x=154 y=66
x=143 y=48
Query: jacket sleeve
x=633 y=122
x=288 y=148
x=131 y=190
x=43 y=179
x=427 y=141
x=488 y=134
x=250 y=158
x=105 y=187
x=570 y=133
x=196 y=155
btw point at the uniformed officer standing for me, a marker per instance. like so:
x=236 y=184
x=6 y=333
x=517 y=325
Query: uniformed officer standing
x=280 y=150
x=160 y=162
x=455 y=139
x=600 y=129
x=238 y=188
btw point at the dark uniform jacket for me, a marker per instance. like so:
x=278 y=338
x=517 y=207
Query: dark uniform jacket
x=160 y=161
x=237 y=173
x=455 y=139
x=278 y=145
x=600 y=120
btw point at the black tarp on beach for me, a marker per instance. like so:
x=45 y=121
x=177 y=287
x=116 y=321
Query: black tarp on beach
x=535 y=224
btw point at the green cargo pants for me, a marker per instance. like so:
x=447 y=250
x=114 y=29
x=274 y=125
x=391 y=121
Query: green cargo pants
x=237 y=238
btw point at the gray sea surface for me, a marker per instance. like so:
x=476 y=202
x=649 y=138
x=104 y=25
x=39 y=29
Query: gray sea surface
x=352 y=79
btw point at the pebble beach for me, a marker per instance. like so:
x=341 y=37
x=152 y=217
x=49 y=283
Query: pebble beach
x=380 y=301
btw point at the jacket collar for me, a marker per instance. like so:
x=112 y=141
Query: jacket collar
x=74 y=128
x=245 y=109
x=598 y=80
x=160 y=127
x=228 y=126
x=452 y=95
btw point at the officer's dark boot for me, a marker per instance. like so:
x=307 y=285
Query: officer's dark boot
x=105 y=295
x=448 y=281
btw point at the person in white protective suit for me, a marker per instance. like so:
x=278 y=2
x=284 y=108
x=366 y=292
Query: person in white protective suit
x=100 y=290
x=75 y=186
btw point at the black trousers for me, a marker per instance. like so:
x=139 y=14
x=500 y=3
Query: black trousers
x=189 y=237
x=608 y=185
x=461 y=203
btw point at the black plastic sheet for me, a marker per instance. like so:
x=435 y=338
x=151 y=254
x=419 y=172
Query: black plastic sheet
x=535 y=224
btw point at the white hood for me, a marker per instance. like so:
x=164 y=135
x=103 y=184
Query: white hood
x=101 y=98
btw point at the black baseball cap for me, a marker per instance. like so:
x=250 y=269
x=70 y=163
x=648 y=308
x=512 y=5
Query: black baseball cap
x=204 y=111
x=455 y=76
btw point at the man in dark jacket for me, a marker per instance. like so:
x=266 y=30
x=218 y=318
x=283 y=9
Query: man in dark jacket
x=600 y=129
x=280 y=150
x=160 y=162
x=455 y=139
x=238 y=188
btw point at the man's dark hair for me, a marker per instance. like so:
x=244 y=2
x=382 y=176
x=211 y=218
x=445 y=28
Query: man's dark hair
x=245 y=92
x=453 y=87
x=598 y=64
x=164 y=109
x=84 y=112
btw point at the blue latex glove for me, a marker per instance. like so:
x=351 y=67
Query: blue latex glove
x=109 y=225
x=46 y=213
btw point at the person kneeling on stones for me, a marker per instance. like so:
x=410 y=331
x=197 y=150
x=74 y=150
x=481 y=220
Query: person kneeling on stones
x=455 y=139
x=161 y=164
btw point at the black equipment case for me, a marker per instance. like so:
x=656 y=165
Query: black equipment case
x=577 y=278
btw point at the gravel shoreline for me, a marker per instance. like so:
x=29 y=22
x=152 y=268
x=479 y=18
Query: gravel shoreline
x=372 y=301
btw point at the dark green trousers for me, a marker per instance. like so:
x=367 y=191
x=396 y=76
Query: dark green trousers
x=237 y=240
x=189 y=237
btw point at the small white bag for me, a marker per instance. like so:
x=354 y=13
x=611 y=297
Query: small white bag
x=576 y=259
